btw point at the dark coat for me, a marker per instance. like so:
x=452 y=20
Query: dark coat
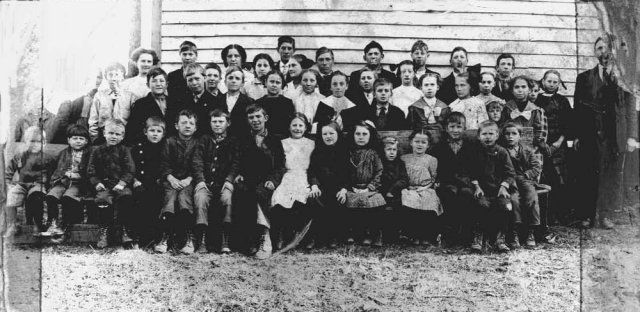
x=394 y=118
x=177 y=85
x=262 y=164
x=328 y=167
x=394 y=177
x=64 y=163
x=492 y=167
x=206 y=103
x=239 y=124
x=354 y=80
x=559 y=116
x=216 y=162
x=109 y=165
x=70 y=113
x=447 y=92
x=324 y=114
x=176 y=157
x=324 y=85
x=146 y=157
x=144 y=108
x=280 y=110
x=358 y=98
x=503 y=93
x=417 y=120
x=455 y=169
x=527 y=164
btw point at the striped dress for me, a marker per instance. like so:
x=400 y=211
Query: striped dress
x=421 y=194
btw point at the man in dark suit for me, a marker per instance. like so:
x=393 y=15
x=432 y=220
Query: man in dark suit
x=505 y=64
x=324 y=62
x=373 y=55
x=605 y=128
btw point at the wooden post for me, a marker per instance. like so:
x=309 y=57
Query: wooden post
x=156 y=26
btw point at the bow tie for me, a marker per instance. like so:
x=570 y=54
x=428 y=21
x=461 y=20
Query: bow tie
x=517 y=113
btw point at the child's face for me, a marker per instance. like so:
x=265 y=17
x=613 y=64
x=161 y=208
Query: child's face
x=551 y=82
x=309 y=82
x=383 y=93
x=338 y=86
x=212 y=78
x=533 y=96
x=144 y=63
x=521 y=90
x=455 y=130
x=495 y=112
x=391 y=152
x=274 y=84
x=77 y=142
x=407 y=74
x=373 y=57
x=511 y=135
x=459 y=60
x=505 y=67
x=219 y=125
x=294 y=68
x=34 y=144
x=234 y=58
x=361 y=135
x=188 y=57
x=366 y=80
x=488 y=136
x=158 y=84
x=486 y=84
x=154 y=134
x=329 y=136
x=113 y=135
x=297 y=128
x=114 y=77
x=429 y=87
x=419 y=56
x=463 y=89
x=262 y=67
x=325 y=63
x=257 y=120
x=420 y=143
x=286 y=51
x=234 y=80
x=186 y=126
x=195 y=82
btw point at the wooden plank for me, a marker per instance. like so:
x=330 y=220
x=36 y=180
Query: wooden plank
x=268 y=43
x=372 y=18
x=371 y=31
x=587 y=9
x=484 y=6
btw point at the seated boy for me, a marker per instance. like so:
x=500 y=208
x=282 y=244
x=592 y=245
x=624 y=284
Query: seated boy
x=198 y=99
x=147 y=190
x=177 y=85
x=494 y=176
x=113 y=102
x=110 y=172
x=528 y=167
x=494 y=110
x=394 y=179
x=384 y=115
x=456 y=157
x=31 y=186
x=215 y=165
x=175 y=172
x=69 y=181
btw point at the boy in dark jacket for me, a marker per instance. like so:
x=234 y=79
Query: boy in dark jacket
x=394 y=179
x=69 y=181
x=215 y=165
x=110 y=172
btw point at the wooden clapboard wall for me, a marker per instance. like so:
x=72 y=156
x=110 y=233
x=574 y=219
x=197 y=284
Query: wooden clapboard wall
x=547 y=34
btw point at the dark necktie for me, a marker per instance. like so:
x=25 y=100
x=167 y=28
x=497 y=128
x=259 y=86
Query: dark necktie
x=381 y=117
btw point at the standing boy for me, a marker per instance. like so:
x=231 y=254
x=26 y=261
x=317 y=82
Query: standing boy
x=199 y=100
x=505 y=64
x=177 y=83
x=373 y=56
x=212 y=77
x=110 y=172
x=286 y=48
x=324 y=62
x=384 y=115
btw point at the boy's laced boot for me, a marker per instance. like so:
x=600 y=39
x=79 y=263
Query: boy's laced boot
x=476 y=243
x=500 y=242
x=531 y=238
x=54 y=229
x=377 y=241
x=264 y=251
x=201 y=237
x=226 y=235
x=127 y=241
x=161 y=246
x=187 y=249
x=514 y=238
x=104 y=236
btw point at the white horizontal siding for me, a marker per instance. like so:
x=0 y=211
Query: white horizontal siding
x=541 y=34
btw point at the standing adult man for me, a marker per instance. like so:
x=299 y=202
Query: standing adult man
x=606 y=128
x=505 y=64
x=324 y=62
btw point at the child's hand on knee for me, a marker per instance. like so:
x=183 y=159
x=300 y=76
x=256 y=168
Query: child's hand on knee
x=137 y=183
x=341 y=196
x=315 y=192
x=502 y=192
x=100 y=187
x=120 y=186
x=175 y=183
x=389 y=195
x=479 y=192
x=269 y=185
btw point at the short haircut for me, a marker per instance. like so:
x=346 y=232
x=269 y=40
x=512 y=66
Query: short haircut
x=512 y=125
x=263 y=56
x=154 y=121
x=390 y=141
x=114 y=122
x=231 y=69
x=419 y=45
x=114 y=66
x=456 y=49
x=457 y=117
x=255 y=108
x=506 y=56
x=488 y=73
x=188 y=46
x=529 y=81
x=381 y=82
x=494 y=104
x=305 y=120
x=338 y=73
x=239 y=48
x=214 y=66
x=398 y=70
x=78 y=130
x=191 y=69
x=32 y=131
x=219 y=113
x=373 y=45
x=421 y=131
x=156 y=71
x=488 y=124
x=367 y=69
x=425 y=75
x=323 y=50
x=187 y=113
x=135 y=55
x=273 y=72
x=286 y=39
x=314 y=72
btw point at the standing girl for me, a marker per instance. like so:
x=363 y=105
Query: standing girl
x=522 y=111
x=421 y=203
x=472 y=108
x=289 y=200
x=309 y=99
x=279 y=108
x=406 y=94
x=262 y=64
x=363 y=185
